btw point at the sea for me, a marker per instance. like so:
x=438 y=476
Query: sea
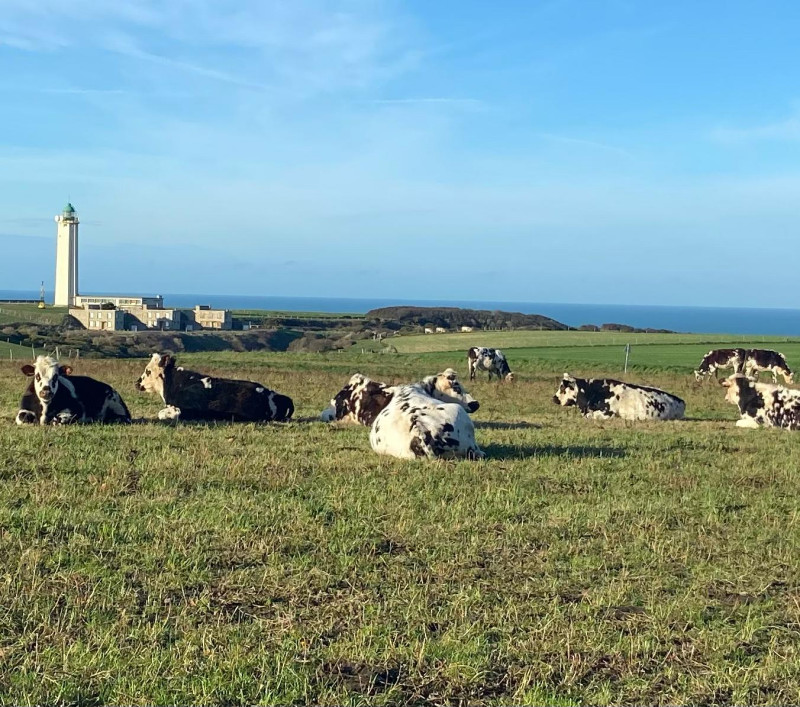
x=700 y=320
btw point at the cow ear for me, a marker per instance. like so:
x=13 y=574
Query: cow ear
x=65 y=370
x=568 y=377
x=166 y=361
x=28 y=370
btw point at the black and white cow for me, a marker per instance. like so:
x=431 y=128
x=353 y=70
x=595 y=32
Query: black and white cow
x=425 y=419
x=603 y=398
x=55 y=396
x=189 y=395
x=720 y=358
x=763 y=403
x=757 y=360
x=480 y=358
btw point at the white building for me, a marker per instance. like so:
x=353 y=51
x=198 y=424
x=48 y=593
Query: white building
x=120 y=301
x=66 y=257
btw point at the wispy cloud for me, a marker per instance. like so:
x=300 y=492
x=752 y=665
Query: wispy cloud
x=310 y=46
x=787 y=130
x=126 y=47
x=473 y=103
x=581 y=142
x=78 y=91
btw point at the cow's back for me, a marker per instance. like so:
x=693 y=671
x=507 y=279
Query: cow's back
x=643 y=403
x=417 y=426
x=202 y=397
x=101 y=403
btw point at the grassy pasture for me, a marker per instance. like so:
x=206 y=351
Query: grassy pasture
x=421 y=343
x=582 y=562
x=11 y=313
x=15 y=352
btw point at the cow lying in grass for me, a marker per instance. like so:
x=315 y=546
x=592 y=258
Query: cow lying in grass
x=604 y=398
x=763 y=403
x=55 y=396
x=195 y=396
x=425 y=419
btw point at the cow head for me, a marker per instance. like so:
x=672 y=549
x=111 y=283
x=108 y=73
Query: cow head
x=46 y=373
x=446 y=387
x=743 y=393
x=568 y=392
x=360 y=401
x=152 y=380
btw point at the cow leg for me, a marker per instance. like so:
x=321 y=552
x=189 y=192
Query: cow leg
x=475 y=453
x=26 y=417
x=748 y=422
x=169 y=413
x=66 y=417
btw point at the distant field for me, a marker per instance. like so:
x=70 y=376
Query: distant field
x=21 y=353
x=527 y=339
x=265 y=313
x=582 y=350
x=31 y=313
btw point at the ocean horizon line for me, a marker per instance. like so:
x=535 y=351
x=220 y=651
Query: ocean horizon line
x=701 y=319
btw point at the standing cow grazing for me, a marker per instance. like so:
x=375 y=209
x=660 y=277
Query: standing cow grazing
x=195 y=396
x=757 y=360
x=55 y=396
x=480 y=358
x=720 y=358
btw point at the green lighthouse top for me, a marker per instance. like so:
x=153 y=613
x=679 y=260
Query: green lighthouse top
x=69 y=209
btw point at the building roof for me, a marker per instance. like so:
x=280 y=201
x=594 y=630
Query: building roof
x=69 y=209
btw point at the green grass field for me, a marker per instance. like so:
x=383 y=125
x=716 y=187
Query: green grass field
x=15 y=352
x=14 y=313
x=580 y=563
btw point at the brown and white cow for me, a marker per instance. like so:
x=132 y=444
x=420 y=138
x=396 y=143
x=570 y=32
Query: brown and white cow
x=763 y=403
x=55 y=396
x=757 y=360
x=481 y=358
x=720 y=358
x=425 y=419
x=604 y=398
x=189 y=395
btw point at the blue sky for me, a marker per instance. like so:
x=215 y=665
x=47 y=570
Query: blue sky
x=563 y=151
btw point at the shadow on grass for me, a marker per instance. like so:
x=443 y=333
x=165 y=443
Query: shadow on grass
x=507 y=426
x=708 y=419
x=507 y=451
x=221 y=423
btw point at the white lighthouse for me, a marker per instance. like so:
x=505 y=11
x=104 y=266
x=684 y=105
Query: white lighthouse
x=66 y=257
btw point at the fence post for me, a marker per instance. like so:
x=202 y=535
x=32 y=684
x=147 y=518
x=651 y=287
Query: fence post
x=627 y=354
